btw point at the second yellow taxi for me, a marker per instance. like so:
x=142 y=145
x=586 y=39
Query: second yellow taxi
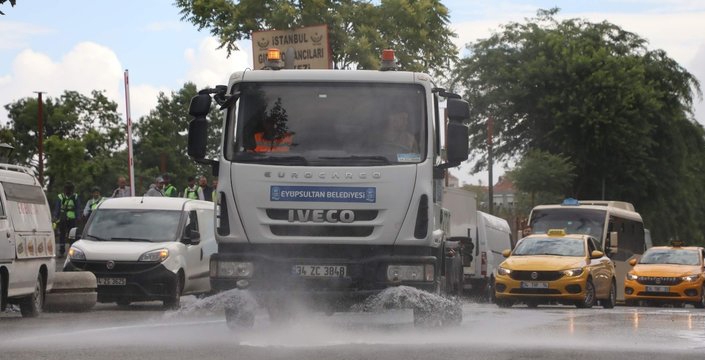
x=667 y=274
x=556 y=268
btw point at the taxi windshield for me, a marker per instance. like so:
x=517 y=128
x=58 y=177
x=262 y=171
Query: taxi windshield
x=670 y=256
x=550 y=246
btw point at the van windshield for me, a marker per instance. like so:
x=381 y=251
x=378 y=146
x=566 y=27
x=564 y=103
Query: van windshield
x=133 y=225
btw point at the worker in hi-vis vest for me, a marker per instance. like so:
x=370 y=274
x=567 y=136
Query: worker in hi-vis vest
x=169 y=188
x=193 y=191
x=66 y=213
x=92 y=203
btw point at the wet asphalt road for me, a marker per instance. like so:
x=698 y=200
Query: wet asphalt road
x=198 y=331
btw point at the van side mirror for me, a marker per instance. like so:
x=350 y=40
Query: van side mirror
x=73 y=234
x=194 y=237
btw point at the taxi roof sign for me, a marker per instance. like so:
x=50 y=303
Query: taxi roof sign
x=556 y=232
x=677 y=243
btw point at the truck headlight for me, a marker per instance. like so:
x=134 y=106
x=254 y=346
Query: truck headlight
x=410 y=272
x=232 y=269
x=503 y=271
x=155 y=255
x=631 y=276
x=573 y=272
x=76 y=254
x=691 y=278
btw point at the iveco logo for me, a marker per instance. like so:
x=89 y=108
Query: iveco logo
x=534 y=275
x=110 y=265
x=331 y=216
x=324 y=175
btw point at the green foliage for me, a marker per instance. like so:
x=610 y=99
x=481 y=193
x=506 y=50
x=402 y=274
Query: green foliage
x=596 y=93
x=543 y=176
x=12 y=2
x=358 y=29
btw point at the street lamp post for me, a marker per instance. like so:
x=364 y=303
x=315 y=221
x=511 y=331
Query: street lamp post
x=40 y=132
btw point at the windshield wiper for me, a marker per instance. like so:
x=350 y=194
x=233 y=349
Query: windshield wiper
x=130 y=239
x=96 y=237
x=372 y=158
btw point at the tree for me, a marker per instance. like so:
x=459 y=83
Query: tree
x=12 y=3
x=358 y=29
x=83 y=137
x=543 y=176
x=162 y=139
x=596 y=93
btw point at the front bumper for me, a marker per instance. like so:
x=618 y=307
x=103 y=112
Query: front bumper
x=685 y=291
x=563 y=289
x=143 y=281
x=273 y=276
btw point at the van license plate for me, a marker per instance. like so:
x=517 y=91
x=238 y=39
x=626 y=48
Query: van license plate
x=657 y=289
x=111 y=281
x=324 y=271
x=534 y=285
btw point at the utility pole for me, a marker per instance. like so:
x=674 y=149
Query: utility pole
x=40 y=132
x=490 y=190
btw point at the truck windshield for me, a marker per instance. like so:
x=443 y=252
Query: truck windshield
x=572 y=220
x=329 y=124
x=133 y=225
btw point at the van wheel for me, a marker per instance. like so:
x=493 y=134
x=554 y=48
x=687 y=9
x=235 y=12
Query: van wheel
x=589 y=299
x=174 y=301
x=612 y=299
x=32 y=305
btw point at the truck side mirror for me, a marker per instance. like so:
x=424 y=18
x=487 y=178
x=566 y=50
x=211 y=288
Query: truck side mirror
x=457 y=148
x=198 y=127
x=458 y=110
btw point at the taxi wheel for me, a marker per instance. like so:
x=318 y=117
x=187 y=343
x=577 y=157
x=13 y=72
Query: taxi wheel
x=589 y=300
x=612 y=299
x=504 y=303
x=701 y=304
x=533 y=304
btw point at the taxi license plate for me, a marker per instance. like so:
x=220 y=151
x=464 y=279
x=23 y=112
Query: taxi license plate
x=324 y=271
x=658 y=289
x=111 y=281
x=534 y=285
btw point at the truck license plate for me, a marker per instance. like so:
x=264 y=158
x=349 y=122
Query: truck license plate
x=326 y=271
x=657 y=289
x=111 y=281
x=534 y=285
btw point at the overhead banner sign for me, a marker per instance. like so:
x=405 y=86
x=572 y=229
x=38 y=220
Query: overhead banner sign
x=310 y=46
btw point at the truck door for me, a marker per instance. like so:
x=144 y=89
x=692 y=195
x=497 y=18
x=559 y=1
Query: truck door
x=7 y=240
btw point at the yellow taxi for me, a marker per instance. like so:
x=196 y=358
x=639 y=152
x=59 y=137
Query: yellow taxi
x=667 y=274
x=556 y=267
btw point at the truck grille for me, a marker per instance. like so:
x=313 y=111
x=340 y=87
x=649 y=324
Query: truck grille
x=540 y=275
x=360 y=215
x=658 y=280
x=321 y=231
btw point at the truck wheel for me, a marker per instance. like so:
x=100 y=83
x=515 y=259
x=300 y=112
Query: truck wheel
x=32 y=305
x=426 y=318
x=174 y=301
x=612 y=299
x=236 y=319
x=589 y=299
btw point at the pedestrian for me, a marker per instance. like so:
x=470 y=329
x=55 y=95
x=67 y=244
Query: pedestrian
x=95 y=200
x=156 y=188
x=214 y=185
x=169 y=188
x=123 y=190
x=66 y=214
x=193 y=191
x=205 y=188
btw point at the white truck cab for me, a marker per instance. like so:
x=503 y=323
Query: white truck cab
x=27 y=260
x=146 y=248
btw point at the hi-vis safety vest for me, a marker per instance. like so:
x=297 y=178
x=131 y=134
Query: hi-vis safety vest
x=68 y=205
x=275 y=145
x=170 y=191
x=93 y=203
x=191 y=194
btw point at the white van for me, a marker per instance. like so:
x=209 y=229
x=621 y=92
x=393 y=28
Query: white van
x=484 y=237
x=147 y=248
x=27 y=260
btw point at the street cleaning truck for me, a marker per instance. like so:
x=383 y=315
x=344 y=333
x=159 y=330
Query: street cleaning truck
x=329 y=185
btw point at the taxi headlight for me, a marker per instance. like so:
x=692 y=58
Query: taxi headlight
x=691 y=278
x=155 y=255
x=76 y=254
x=631 y=276
x=573 y=272
x=503 y=271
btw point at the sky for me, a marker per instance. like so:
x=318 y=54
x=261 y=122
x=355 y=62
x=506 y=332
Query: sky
x=85 y=45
